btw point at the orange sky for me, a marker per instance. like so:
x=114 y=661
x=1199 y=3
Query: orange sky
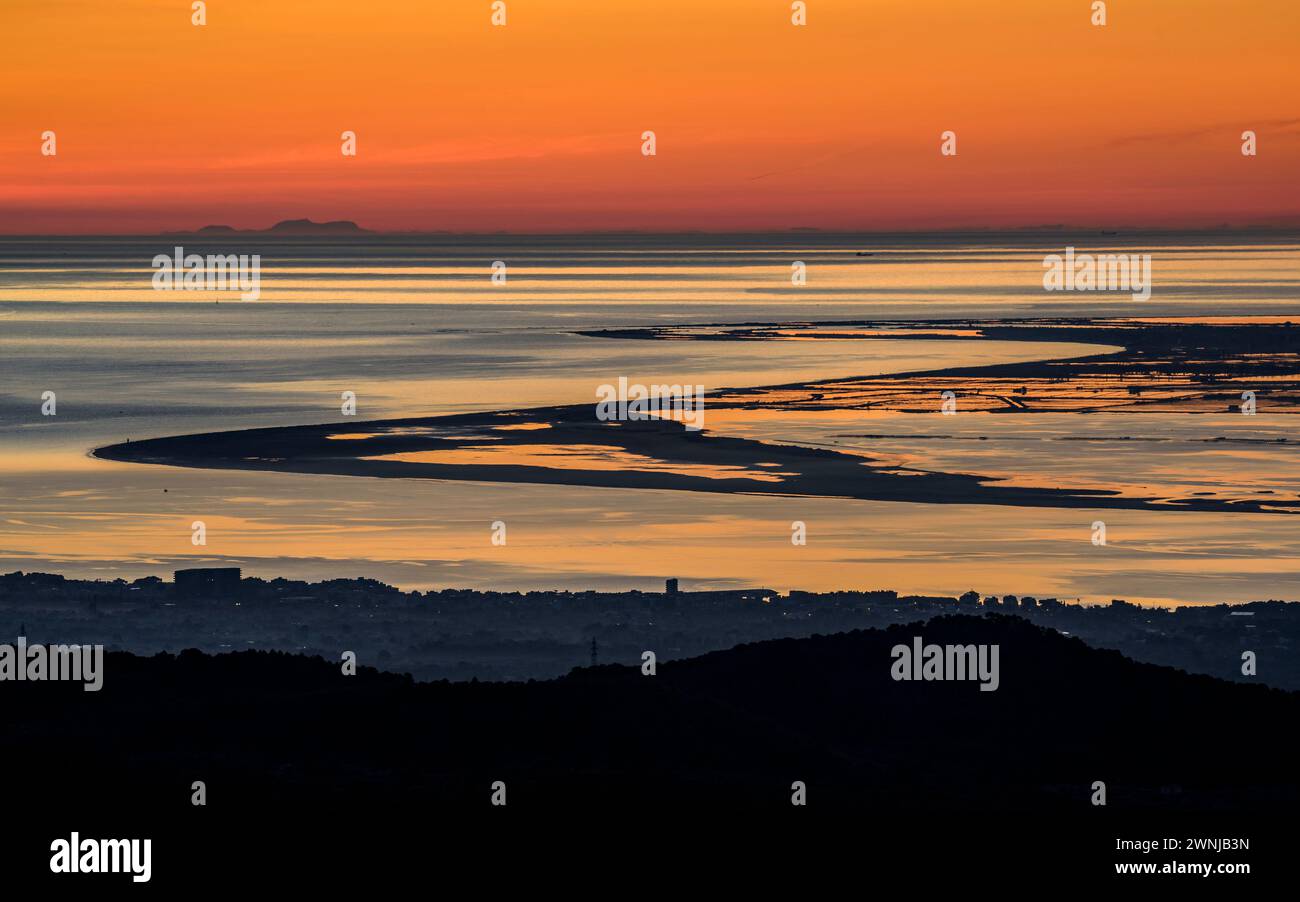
x=536 y=126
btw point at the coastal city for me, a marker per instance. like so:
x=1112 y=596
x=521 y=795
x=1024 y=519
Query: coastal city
x=463 y=634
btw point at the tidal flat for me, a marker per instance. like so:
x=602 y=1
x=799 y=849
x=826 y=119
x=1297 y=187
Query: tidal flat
x=1162 y=366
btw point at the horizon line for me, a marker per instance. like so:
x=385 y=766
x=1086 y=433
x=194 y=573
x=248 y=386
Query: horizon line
x=361 y=231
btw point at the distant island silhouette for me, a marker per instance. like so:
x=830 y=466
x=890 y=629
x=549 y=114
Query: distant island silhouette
x=285 y=227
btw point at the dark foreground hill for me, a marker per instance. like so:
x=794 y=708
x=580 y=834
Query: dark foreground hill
x=732 y=728
x=279 y=739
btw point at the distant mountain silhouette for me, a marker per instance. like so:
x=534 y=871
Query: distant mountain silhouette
x=286 y=227
x=307 y=227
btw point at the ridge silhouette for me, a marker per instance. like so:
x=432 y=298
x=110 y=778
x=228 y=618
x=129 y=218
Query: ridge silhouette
x=728 y=729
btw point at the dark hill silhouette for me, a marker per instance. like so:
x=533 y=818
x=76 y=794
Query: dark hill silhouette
x=731 y=728
x=311 y=775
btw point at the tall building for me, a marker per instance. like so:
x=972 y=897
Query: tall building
x=671 y=587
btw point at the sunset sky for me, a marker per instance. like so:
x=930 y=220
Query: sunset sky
x=536 y=126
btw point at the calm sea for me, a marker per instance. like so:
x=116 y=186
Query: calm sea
x=415 y=326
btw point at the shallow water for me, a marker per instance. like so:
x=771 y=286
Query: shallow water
x=416 y=329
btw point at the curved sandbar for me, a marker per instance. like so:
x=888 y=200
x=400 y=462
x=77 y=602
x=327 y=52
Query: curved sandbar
x=568 y=445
